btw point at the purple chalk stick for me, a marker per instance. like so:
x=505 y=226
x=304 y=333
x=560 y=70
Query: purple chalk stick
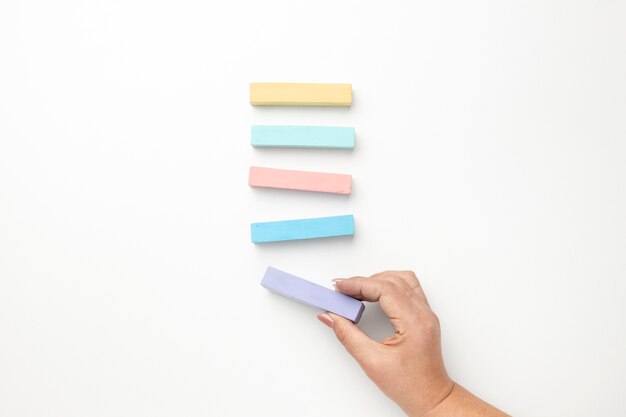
x=312 y=294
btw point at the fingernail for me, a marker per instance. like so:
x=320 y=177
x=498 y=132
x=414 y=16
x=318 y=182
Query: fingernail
x=326 y=319
x=337 y=281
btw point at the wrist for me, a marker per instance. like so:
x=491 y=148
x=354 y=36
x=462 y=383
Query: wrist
x=462 y=402
x=448 y=404
x=429 y=399
x=436 y=404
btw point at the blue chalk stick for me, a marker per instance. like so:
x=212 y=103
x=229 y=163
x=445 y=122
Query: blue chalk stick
x=303 y=137
x=302 y=229
x=314 y=295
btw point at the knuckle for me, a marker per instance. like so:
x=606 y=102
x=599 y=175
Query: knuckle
x=384 y=276
x=431 y=323
x=411 y=276
x=436 y=319
x=393 y=278
x=390 y=286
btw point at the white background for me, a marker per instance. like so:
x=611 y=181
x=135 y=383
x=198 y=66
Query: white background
x=490 y=159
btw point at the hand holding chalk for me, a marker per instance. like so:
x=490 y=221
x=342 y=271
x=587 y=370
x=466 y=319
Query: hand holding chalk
x=408 y=366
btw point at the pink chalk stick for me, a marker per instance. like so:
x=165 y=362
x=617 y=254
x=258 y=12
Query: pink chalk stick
x=321 y=182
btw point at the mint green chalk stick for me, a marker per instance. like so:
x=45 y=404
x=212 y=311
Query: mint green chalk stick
x=303 y=137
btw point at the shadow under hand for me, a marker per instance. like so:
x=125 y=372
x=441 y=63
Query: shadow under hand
x=375 y=323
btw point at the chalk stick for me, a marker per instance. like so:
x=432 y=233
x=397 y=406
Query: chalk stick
x=331 y=137
x=300 y=94
x=322 y=182
x=312 y=294
x=302 y=229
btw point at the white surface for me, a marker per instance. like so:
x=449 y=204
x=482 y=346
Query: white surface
x=490 y=160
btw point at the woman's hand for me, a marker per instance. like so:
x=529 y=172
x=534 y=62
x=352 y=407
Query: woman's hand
x=408 y=366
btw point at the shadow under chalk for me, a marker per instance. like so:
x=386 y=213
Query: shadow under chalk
x=328 y=243
x=375 y=323
x=307 y=110
x=322 y=154
x=281 y=196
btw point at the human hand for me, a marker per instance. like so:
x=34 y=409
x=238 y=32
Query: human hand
x=408 y=366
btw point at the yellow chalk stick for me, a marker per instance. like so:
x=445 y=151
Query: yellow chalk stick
x=300 y=94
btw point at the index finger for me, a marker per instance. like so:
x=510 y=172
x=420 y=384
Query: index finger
x=409 y=278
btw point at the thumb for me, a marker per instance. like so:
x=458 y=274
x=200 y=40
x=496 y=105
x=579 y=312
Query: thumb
x=356 y=342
